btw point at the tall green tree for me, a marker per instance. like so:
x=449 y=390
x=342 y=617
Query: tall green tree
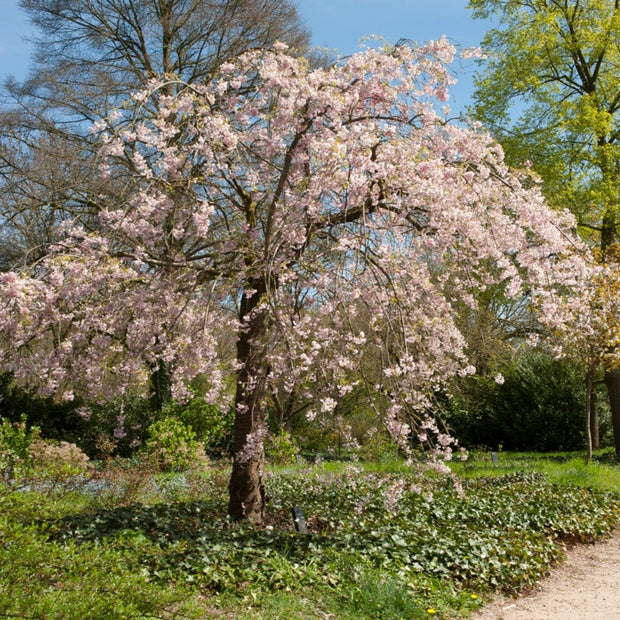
x=550 y=93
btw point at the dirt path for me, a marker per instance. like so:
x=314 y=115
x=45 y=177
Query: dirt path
x=585 y=587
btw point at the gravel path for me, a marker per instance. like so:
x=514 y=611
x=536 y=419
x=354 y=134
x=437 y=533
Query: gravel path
x=585 y=587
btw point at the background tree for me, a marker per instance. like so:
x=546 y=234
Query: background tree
x=592 y=337
x=537 y=403
x=271 y=183
x=550 y=93
x=91 y=56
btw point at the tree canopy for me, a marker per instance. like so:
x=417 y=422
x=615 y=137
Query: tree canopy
x=91 y=55
x=550 y=93
x=324 y=216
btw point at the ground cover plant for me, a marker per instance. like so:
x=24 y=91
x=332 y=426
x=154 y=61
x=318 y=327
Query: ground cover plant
x=384 y=542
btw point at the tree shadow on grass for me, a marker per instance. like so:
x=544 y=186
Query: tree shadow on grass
x=197 y=531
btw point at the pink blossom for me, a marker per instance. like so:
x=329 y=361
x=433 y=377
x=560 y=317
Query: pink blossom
x=253 y=447
x=328 y=220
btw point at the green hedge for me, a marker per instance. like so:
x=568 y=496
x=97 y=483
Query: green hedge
x=540 y=406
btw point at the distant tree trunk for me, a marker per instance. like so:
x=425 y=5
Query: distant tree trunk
x=247 y=486
x=608 y=236
x=161 y=388
x=594 y=420
x=612 y=381
x=589 y=390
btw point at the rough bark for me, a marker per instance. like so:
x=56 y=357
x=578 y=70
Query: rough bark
x=247 y=489
x=594 y=421
x=161 y=388
x=589 y=390
x=247 y=486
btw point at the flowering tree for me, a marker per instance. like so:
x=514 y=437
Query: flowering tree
x=588 y=329
x=326 y=216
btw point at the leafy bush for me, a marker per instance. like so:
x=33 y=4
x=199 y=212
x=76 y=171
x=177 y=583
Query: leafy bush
x=116 y=428
x=280 y=449
x=15 y=441
x=58 y=420
x=377 y=446
x=25 y=456
x=540 y=406
x=212 y=427
x=55 y=461
x=172 y=446
x=119 y=425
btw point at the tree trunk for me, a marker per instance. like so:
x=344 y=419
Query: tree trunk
x=608 y=237
x=589 y=391
x=612 y=381
x=161 y=388
x=594 y=421
x=247 y=486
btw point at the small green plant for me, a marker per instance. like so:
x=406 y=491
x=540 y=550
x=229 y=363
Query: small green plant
x=15 y=441
x=172 y=446
x=281 y=449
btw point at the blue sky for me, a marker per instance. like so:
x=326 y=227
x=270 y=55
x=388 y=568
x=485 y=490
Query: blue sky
x=14 y=52
x=340 y=24
x=335 y=24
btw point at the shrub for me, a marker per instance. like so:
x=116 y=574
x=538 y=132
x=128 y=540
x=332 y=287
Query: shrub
x=117 y=428
x=59 y=420
x=15 y=440
x=281 y=449
x=56 y=461
x=172 y=446
x=377 y=446
x=212 y=427
x=346 y=432
x=25 y=456
x=540 y=406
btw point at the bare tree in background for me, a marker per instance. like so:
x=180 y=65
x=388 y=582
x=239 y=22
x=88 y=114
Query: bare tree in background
x=91 y=55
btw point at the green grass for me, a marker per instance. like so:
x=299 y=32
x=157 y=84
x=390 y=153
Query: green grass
x=43 y=579
x=387 y=541
x=559 y=467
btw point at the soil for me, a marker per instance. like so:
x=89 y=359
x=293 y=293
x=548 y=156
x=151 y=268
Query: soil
x=584 y=587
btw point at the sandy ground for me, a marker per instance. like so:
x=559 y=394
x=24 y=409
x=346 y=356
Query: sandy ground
x=585 y=587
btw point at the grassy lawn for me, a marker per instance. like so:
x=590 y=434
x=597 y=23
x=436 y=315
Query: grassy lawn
x=386 y=541
x=559 y=467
